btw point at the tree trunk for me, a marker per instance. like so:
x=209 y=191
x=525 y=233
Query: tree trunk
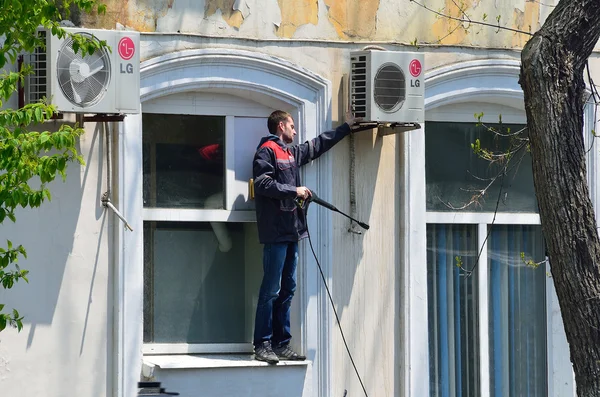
x=552 y=70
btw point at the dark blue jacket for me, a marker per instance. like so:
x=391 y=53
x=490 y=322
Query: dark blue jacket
x=276 y=170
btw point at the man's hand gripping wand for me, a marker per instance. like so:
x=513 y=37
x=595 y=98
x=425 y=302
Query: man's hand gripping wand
x=303 y=204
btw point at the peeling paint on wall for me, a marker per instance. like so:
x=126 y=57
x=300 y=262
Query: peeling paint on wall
x=234 y=18
x=353 y=19
x=395 y=20
x=143 y=18
x=116 y=12
x=528 y=21
x=448 y=31
x=295 y=13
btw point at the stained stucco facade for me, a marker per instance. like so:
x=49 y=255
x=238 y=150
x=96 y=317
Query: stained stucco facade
x=83 y=332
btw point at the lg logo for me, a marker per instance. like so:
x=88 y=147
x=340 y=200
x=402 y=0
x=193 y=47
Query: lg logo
x=415 y=69
x=126 y=51
x=126 y=48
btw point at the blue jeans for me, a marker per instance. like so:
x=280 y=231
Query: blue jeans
x=276 y=293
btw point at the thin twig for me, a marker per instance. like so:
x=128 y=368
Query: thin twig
x=439 y=41
x=469 y=20
x=503 y=134
x=468 y=273
x=461 y=10
x=493 y=158
x=478 y=177
x=482 y=192
x=542 y=4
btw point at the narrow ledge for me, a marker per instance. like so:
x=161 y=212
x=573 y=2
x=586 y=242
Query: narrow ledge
x=192 y=361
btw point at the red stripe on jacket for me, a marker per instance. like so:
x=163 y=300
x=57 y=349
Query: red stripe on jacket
x=280 y=153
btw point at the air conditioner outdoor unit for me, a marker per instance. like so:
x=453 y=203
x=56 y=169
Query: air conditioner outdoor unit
x=387 y=86
x=105 y=82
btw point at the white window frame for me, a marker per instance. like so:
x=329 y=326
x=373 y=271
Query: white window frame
x=201 y=214
x=491 y=83
x=267 y=80
x=205 y=215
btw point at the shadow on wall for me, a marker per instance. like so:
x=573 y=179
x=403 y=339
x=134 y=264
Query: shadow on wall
x=49 y=234
x=66 y=242
x=351 y=239
x=365 y=267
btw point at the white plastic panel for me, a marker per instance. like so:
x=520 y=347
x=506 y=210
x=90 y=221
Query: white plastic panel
x=413 y=68
x=123 y=90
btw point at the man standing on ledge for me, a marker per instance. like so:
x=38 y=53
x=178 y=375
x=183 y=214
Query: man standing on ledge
x=281 y=225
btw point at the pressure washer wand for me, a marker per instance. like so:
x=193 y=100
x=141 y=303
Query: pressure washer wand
x=316 y=199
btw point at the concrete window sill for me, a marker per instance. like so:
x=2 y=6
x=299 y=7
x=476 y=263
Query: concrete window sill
x=192 y=361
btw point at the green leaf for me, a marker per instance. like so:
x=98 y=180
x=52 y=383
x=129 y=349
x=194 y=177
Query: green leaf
x=62 y=163
x=22 y=159
x=75 y=47
x=39 y=115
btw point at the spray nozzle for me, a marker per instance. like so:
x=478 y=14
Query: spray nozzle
x=301 y=204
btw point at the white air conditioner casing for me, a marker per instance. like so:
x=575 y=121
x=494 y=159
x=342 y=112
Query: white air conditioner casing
x=106 y=82
x=387 y=86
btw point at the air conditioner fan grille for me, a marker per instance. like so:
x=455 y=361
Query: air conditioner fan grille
x=83 y=80
x=389 y=90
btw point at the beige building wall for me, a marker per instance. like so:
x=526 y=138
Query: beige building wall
x=367 y=267
x=345 y=20
x=67 y=339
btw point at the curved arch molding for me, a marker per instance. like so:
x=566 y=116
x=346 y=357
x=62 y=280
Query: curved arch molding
x=488 y=80
x=266 y=79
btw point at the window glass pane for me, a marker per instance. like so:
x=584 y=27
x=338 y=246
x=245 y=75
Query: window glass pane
x=183 y=160
x=454 y=172
x=248 y=133
x=453 y=311
x=201 y=282
x=517 y=312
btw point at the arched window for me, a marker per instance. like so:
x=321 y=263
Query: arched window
x=490 y=299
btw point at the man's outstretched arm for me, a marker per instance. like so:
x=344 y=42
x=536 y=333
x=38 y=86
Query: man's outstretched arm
x=314 y=148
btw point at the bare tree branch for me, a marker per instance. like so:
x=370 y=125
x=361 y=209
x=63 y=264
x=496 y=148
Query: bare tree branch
x=542 y=4
x=469 y=272
x=468 y=20
x=481 y=192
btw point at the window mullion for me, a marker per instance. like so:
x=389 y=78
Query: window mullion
x=229 y=171
x=484 y=346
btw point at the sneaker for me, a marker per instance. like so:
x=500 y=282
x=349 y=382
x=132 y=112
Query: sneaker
x=264 y=352
x=286 y=353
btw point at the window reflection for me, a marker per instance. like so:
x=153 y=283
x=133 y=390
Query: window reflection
x=183 y=161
